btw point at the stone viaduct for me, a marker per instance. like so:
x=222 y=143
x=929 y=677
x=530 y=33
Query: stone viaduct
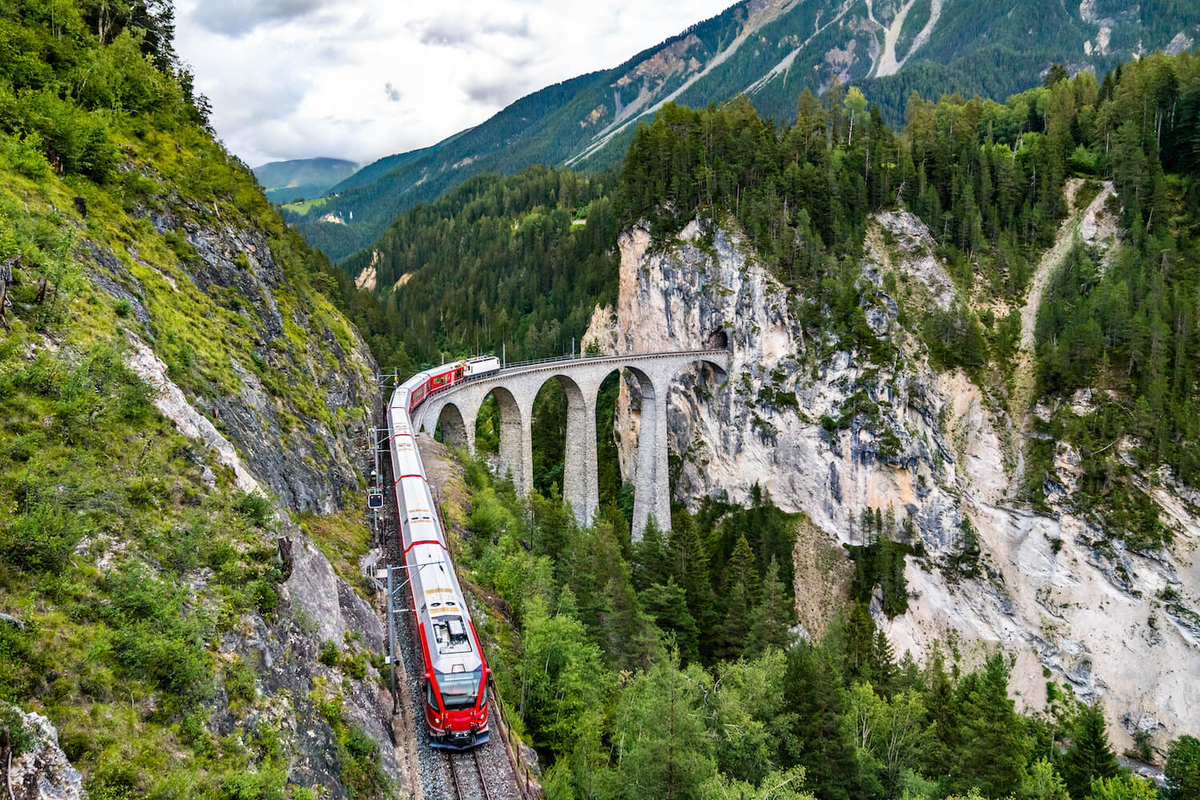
x=515 y=388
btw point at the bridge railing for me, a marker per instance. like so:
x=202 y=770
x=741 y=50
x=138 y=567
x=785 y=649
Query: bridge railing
x=594 y=356
x=537 y=362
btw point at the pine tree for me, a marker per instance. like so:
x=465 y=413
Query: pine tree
x=993 y=750
x=772 y=616
x=732 y=634
x=668 y=606
x=629 y=637
x=650 y=563
x=742 y=570
x=689 y=565
x=664 y=747
x=1090 y=757
x=883 y=664
x=816 y=739
x=860 y=644
x=945 y=714
x=1183 y=769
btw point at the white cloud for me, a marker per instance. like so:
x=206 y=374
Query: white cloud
x=301 y=78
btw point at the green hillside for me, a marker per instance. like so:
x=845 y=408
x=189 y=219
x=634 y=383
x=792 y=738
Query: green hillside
x=522 y=260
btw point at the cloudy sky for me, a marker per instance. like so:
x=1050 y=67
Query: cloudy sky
x=360 y=79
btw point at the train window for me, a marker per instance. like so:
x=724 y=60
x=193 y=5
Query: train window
x=459 y=689
x=430 y=697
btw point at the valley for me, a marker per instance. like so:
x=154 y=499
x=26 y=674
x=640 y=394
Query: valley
x=737 y=433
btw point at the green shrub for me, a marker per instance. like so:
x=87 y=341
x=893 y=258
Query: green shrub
x=266 y=597
x=21 y=739
x=174 y=662
x=115 y=779
x=255 y=507
x=135 y=400
x=26 y=154
x=239 y=682
x=360 y=764
x=328 y=653
x=41 y=538
x=355 y=665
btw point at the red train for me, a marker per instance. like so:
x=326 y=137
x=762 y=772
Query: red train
x=456 y=672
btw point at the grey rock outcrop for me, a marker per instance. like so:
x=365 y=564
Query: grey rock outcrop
x=827 y=433
x=42 y=772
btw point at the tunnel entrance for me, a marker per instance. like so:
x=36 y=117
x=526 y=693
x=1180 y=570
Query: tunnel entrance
x=717 y=340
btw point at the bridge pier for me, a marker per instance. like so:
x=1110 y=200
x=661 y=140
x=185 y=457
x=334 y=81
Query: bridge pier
x=581 y=485
x=651 y=488
x=515 y=389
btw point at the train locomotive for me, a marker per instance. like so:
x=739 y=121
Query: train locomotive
x=456 y=672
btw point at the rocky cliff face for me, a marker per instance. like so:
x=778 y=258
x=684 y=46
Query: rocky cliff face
x=292 y=400
x=243 y=356
x=829 y=435
x=39 y=770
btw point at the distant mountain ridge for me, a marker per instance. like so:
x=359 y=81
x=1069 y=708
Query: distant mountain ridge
x=770 y=50
x=302 y=179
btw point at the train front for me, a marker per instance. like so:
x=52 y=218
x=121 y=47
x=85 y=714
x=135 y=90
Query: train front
x=456 y=708
x=456 y=674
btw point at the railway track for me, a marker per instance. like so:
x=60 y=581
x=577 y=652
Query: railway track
x=468 y=778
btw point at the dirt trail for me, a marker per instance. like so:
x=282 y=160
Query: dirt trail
x=1079 y=220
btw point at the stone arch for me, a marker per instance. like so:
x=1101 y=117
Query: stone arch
x=579 y=488
x=718 y=372
x=454 y=427
x=651 y=482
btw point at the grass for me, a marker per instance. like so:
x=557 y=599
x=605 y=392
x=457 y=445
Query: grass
x=303 y=207
x=106 y=523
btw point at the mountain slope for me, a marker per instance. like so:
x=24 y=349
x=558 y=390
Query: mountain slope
x=284 y=181
x=771 y=50
x=181 y=413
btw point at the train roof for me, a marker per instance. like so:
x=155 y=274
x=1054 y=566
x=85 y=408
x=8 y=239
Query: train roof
x=442 y=610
